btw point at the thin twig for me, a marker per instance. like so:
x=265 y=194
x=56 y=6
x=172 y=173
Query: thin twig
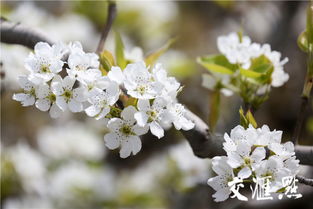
x=305 y=181
x=107 y=26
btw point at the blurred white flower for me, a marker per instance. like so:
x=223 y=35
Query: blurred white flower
x=73 y=140
x=27 y=202
x=30 y=167
x=75 y=179
x=194 y=169
x=125 y=133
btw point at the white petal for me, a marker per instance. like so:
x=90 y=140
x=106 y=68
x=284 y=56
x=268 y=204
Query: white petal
x=61 y=102
x=156 y=129
x=42 y=91
x=128 y=114
x=103 y=113
x=140 y=130
x=115 y=124
x=141 y=118
x=92 y=110
x=24 y=83
x=116 y=74
x=43 y=104
x=143 y=104
x=80 y=94
x=111 y=141
x=131 y=145
x=55 y=111
x=20 y=97
x=75 y=106
x=244 y=173
x=68 y=82
x=258 y=154
x=57 y=88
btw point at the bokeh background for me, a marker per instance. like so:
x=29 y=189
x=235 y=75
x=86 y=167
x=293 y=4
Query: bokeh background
x=64 y=164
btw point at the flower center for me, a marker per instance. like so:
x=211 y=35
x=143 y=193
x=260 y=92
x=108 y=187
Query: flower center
x=152 y=115
x=126 y=130
x=52 y=97
x=141 y=89
x=247 y=160
x=68 y=95
x=45 y=69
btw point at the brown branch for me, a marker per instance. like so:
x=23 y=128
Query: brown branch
x=203 y=144
x=15 y=33
x=107 y=26
x=305 y=181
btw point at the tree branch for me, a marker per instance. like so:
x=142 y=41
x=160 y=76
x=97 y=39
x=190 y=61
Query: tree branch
x=15 y=33
x=305 y=181
x=203 y=144
x=107 y=27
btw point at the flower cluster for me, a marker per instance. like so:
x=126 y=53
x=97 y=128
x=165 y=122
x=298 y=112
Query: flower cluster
x=78 y=84
x=240 y=50
x=247 y=68
x=253 y=153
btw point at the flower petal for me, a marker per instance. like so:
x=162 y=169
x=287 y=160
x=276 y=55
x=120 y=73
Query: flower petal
x=156 y=129
x=112 y=140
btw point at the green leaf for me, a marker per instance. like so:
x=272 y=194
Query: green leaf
x=303 y=42
x=251 y=119
x=214 y=109
x=119 y=51
x=246 y=119
x=218 y=64
x=106 y=61
x=260 y=70
x=243 y=120
x=152 y=58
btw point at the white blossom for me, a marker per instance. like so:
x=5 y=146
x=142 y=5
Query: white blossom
x=124 y=133
x=139 y=83
x=151 y=115
x=220 y=182
x=236 y=50
x=28 y=97
x=79 y=62
x=101 y=100
x=177 y=114
x=47 y=101
x=46 y=62
x=66 y=96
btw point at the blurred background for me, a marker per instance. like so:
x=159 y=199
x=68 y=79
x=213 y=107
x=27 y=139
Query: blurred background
x=64 y=164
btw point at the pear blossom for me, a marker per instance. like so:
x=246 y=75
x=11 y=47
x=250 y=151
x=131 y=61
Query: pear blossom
x=170 y=86
x=151 y=115
x=46 y=62
x=246 y=151
x=101 y=101
x=47 y=101
x=79 y=62
x=219 y=183
x=93 y=78
x=66 y=96
x=177 y=113
x=124 y=133
x=139 y=83
x=28 y=97
x=236 y=49
x=116 y=74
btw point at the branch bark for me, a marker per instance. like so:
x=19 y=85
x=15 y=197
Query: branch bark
x=203 y=144
x=107 y=27
x=305 y=181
